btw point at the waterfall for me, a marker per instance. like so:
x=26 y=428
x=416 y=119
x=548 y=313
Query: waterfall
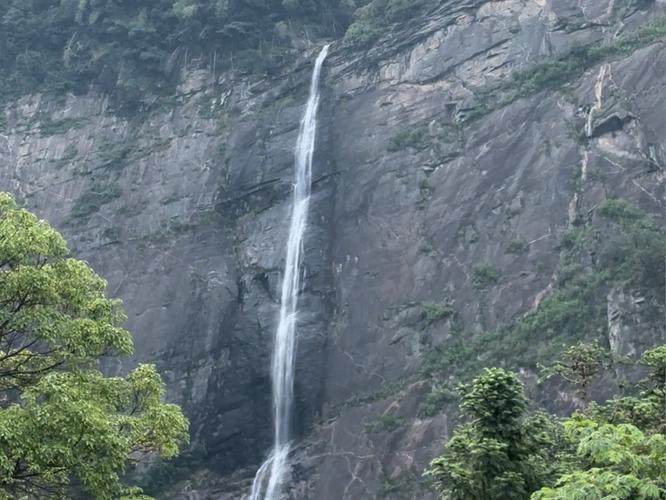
x=268 y=480
x=598 y=95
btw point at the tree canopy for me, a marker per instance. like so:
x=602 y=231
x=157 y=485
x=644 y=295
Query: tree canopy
x=502 y=451
x=64 y=426
x=612 y=451
x=129 y=47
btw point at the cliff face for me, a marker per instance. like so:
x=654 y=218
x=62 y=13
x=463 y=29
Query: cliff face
x=443 y=189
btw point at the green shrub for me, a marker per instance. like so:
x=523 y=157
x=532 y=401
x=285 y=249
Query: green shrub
x=631 y=255
x=436 y=312
x=49 y=126
x=370 y=20
x=548 y=75
x=163 y=474
x=398 y=10
x=623 y=213
x=553 y=74
x=425 y=186
x=518 y=247
x=68 y=155
x=92 y=200
x=485 y=275
x=439 y=396
x=384 y=423
x=636 y=254
x=416 y=138
x=577 y=238
x=116 y=155
x=361 y=33
x=404 y=485
x=578 y=311
x=134 y=50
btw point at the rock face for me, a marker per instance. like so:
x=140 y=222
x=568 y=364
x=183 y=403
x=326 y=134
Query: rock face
x=416 y=199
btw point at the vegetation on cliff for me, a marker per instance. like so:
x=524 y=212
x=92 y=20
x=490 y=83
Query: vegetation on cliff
x=621 y=249
x=129 y=47
x=564 y=69
x=64 y=425
x=136 y=50
x=370 y=20
x=507 y=450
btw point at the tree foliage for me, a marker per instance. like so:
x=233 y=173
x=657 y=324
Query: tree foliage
x=63 y=424
x=611 y=451
x=129 y=47
x=627 y=246
x=371 y=18
x=636 y=253
x=580 y=364
x=610 y=461
x=646 y=408
x=503 y=451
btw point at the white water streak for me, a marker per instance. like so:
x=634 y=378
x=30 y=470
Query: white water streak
x=598 y=95
x=268 y=480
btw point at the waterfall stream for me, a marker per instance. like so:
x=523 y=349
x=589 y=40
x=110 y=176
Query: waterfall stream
x=604 y=71
x=268 y=480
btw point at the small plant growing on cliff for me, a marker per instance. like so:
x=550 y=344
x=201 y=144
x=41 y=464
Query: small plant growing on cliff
x=438 y=396
x=485 y=275
x=99 y=193
x=403 y=485
x=518 y=247
x=48 y=126
x=384 y=423
x=560 y=71
x=436 y=312
x=425 y=186
x=417 y=139
x=637 y=252
x=371 y=19
x=62 y=421
x=68 y=155
x=625 y=214
x=361 y=33
x=577 y=238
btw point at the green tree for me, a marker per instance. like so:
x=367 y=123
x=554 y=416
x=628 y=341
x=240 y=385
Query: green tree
x=133 y=49
x=580 y=365
x=503 y=451
x=610 y=462
x=615 y=450
x=647 y=408
x=618 y=449
x=63 y=424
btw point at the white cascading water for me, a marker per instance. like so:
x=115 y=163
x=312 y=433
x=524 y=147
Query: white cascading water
x=268 y=480
x=598 y=96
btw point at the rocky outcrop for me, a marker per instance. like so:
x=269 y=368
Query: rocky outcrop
x=421 y=196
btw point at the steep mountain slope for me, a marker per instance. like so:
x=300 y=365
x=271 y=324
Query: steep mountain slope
x=451 y=198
